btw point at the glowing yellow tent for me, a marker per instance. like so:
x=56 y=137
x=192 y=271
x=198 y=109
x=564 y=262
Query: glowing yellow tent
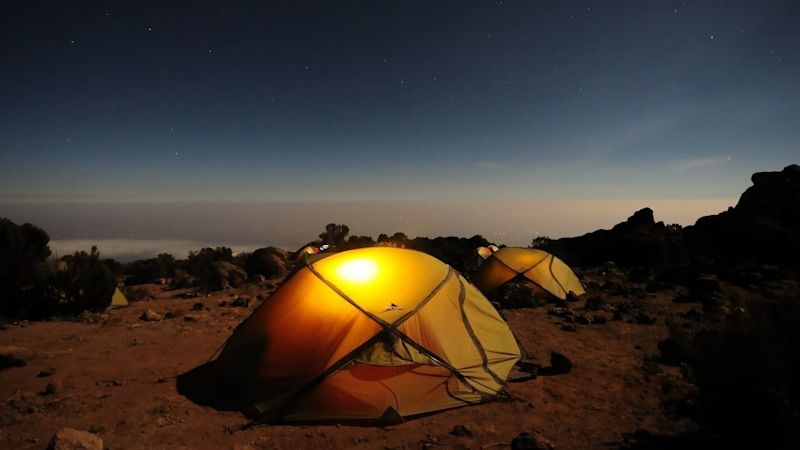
x=118 y=299
x=372 y=333
x=550 y=275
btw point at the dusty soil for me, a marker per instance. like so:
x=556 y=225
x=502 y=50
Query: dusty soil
x=117 y=378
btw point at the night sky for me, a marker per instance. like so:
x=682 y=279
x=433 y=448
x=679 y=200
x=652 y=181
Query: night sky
x=395 y=101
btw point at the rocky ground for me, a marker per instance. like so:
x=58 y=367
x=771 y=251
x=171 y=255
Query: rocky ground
x=114 y=375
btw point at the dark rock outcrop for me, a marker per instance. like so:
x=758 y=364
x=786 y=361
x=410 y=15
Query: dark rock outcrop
x=639 y=242
x=763 y=228
x=269 y=262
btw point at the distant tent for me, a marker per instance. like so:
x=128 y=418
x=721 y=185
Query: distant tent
x=118 y=299
x=550 y=275
x=373 y=333
x=484 y=252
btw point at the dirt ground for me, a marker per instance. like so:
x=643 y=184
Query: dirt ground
x=117 y=378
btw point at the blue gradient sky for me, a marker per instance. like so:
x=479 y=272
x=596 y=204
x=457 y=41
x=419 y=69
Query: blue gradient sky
x=395 y=101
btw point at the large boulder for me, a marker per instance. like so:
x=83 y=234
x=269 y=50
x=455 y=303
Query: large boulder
x=227 y=275
x=269 y=262
x=72 y=439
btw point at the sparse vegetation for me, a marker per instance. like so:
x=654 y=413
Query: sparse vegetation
x=150 y=270
x=334 y=234
x=540 y=242
x=86 y=283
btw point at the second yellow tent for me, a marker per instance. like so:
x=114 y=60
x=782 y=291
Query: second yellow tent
x=550 y=275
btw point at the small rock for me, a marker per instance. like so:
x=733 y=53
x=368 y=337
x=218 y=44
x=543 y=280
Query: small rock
x=568 y=327
x=693 y=314
x=72 y=439
x=645 y=318
x=597 y=319
x=8 y=361
x=594 y=304
x=614 y=288
x=241 y=302
x=559 y=363
x=199 y=307
x=150 y=316
x=161 y=380
x=527 y=441
x=174 y=314
x=560 y=312
x=582 y=320
x=189 y=319
x=52 y=388
x=461 y=431
x=46 y=373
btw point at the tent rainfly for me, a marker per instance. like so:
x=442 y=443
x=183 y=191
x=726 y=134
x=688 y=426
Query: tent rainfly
x=374 y=333
x=550 y=275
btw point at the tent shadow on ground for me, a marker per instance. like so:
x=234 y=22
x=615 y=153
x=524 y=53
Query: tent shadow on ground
x=203 y=386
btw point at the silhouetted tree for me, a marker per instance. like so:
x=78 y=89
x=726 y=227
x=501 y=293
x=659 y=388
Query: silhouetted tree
x=540 y=242
x=357 y=242
x=334 y=234
x=151 y=269
x=23 y=250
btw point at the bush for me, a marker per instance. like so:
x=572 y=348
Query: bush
x=149 y=270
x=87 y=283
x=137 y=293
x=203 y=266
x=541 y=242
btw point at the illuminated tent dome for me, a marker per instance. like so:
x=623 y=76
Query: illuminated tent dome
x=373 y=333
x=550 y=275
x=306 y=252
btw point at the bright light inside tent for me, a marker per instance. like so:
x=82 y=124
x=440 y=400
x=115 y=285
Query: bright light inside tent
x=358 y=270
